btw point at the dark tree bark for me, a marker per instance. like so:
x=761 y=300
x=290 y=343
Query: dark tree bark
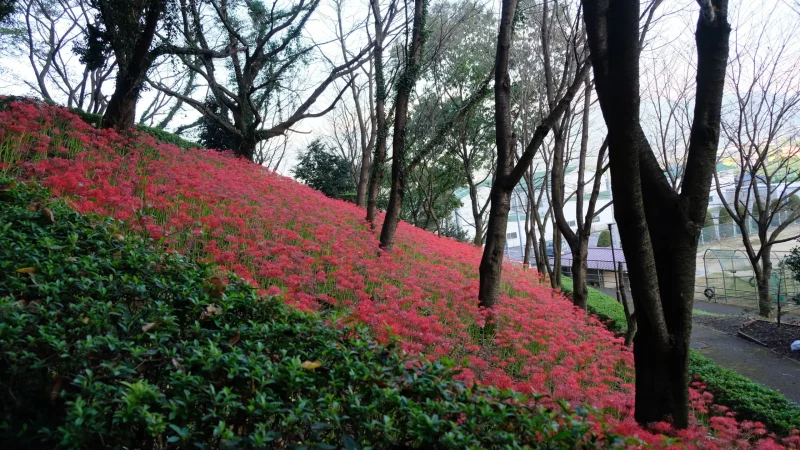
x=659 y=228
x=404 y=88
x=382 y=126
x=508 y=174
x=578 y=239
x=121 y=110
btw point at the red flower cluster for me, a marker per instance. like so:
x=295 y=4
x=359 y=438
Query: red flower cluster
x=318 y=253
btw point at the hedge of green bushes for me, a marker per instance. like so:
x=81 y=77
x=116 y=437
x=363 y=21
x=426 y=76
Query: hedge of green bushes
x=750 y=400
x=606 y=308
x=158 y=133
x=108 y=342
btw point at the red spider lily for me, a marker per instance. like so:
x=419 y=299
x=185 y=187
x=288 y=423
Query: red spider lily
x=317 y=253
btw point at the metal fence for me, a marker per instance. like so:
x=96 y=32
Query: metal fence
x=721 y=231
x=728 y=277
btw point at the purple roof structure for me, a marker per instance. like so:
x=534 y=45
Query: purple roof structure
x=599 y=258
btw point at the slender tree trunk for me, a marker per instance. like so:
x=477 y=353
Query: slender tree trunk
x=478 y=241
x=627 y=305
x=406 y=85
x=555 y=276
x=382 y=127
x=363 y=177
x=121 y=110
x=539 y=249
x=762 y=283
x=526 y=251
x=508 y=174
x=544 y=259
x=580 y=292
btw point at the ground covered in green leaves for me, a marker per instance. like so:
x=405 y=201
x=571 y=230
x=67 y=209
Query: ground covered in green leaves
x=107 y=341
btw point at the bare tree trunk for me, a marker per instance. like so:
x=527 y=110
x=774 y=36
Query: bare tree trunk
x=658 y=227
x=630 y=313
x=530 y=238
x=578 y=239
x=555 y=275
x=404 y=88
x=762 y=277
x=542 y=259
x=478 y=218
x=508 y=174
x=492 y=262
x=379 y=159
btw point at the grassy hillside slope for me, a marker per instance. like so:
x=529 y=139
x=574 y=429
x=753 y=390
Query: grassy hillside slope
x=138 y=348
x=319 y=255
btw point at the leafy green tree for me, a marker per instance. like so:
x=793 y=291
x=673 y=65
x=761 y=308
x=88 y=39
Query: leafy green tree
x=7 y=8
x=604 y=240
x=708 y=227
x=127 y=31
x=325 y=171
x=212 y=134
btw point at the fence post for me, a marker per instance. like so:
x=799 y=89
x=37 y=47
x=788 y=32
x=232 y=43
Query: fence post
x=724 y=284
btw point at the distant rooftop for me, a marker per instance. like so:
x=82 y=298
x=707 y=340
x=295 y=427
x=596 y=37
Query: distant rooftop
x=599 y=258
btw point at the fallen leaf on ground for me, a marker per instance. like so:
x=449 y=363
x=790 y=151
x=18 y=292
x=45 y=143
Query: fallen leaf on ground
x=308 y=365
x=47 y=215
x=235 y=339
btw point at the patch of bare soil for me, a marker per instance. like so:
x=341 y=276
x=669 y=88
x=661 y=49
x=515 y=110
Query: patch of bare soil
x=777 y=338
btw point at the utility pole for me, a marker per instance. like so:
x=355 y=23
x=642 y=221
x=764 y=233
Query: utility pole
x=614 y=259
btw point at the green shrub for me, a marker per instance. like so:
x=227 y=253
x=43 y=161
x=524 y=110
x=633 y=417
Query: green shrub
x=607 y=309
x=604 y=240
x=750 y=400
x=158 y=133
x=106 y=342
x=169 y=138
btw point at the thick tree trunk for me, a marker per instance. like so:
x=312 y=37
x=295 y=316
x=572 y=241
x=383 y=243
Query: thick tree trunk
x=389 y=228
x=121 y=110
x=662 y=379
x=406 y=84
x=247 y=148
x=659 y=228
x=492 y=261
